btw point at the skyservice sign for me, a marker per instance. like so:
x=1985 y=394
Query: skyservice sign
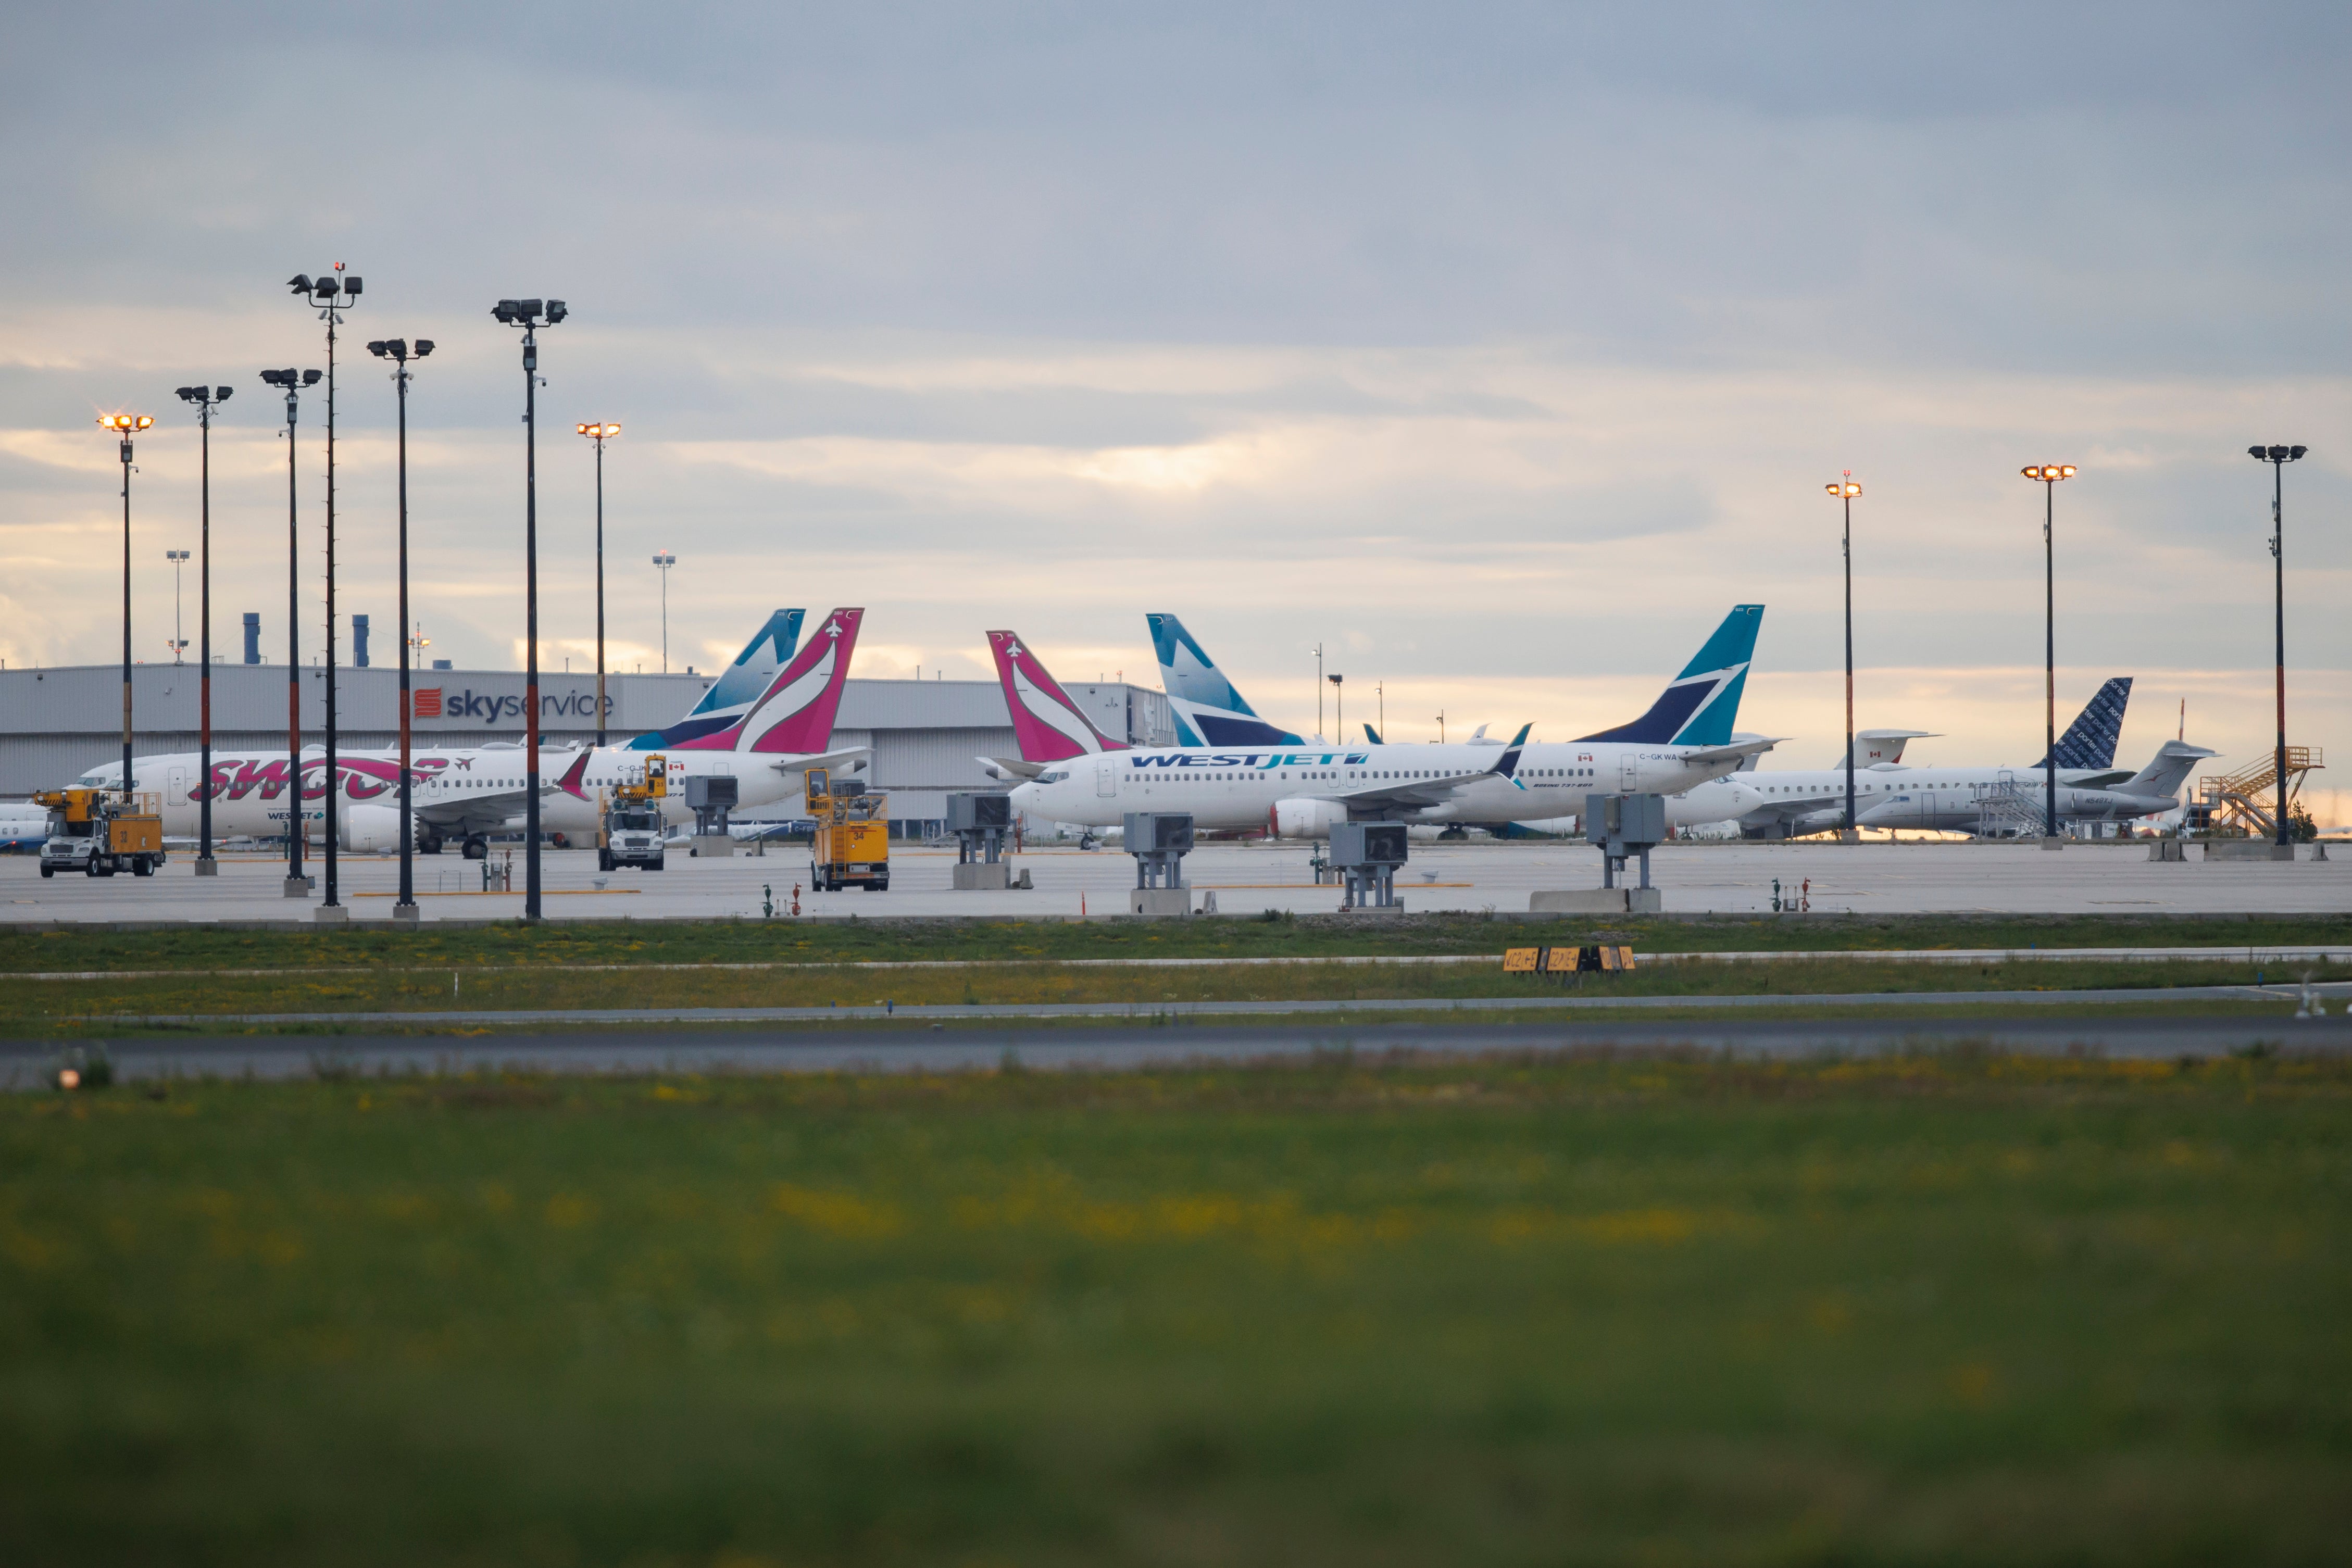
x=468 y=708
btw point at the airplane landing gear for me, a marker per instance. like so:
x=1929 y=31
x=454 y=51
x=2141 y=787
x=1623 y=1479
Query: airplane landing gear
x=476 y=846
x=429 y=843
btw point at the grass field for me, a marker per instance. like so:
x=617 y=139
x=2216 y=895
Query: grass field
x=66 y=1007
x=723 y=941
x=1949 y=1309
x=193 y=973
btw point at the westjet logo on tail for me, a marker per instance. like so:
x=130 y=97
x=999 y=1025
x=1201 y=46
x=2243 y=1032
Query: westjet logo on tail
x=1697 y=708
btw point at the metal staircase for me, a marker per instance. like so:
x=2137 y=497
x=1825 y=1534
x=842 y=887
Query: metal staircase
x=2246 y=799
x=2009 y=810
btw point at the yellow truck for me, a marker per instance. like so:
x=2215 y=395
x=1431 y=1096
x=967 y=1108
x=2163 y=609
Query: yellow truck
x=629 y=832
x=99 y=832
x=852 y=848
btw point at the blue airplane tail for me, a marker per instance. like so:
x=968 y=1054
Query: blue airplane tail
x=739 y=685
x=1700 y=705
x=1209 y=711
x=2090 y=741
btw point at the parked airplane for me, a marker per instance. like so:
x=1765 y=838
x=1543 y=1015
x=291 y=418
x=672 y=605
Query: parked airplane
x=2007 y=804
x=1794 y=802
x=738 y=687
x=22 y=826
x=1209 y=711
x=468 y=793
x=1075 y=774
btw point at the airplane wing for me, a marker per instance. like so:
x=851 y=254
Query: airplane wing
x=1011 y=766
x=478 y=814
x=1736 y=750
x=821 y=759
x=1436 y=791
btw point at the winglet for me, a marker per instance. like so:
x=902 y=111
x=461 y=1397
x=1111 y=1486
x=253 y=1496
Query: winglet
x=570 y=782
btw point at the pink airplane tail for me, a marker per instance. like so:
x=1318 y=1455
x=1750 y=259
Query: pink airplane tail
x=794 y=716
x=1048 y=725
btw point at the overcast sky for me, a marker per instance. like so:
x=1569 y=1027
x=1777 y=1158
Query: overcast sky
x=1500 y=348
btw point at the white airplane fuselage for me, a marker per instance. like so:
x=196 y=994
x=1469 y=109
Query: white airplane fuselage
x=1232 y=788
x=251 y=788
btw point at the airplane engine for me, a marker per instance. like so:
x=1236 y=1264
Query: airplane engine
x=362 y=829
x=1305 y=819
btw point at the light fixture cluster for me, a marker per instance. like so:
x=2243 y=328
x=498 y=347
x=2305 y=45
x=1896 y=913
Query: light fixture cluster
x=599 y=432
x=2049 y=473
x=125 y=422
x=1848 y=489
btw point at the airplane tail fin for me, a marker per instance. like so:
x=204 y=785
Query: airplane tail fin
x=1209 y=711
x=1374 y=735
x=796 y=713
x=1046 y=723
x=2090 y=741
x=739 y=685
x=1884 y=748
x=2166 y=771
x=1699 y=706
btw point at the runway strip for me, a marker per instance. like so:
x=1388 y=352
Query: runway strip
x=27 y=1065
x=1149 y=1012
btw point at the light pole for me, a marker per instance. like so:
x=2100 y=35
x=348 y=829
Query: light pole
x=178 y=558
x=531 y=315
x=665 y=560
x=124 y=425
x=1846 y=490
x=2047 y=475
x=1339 y=708
x=293 y=381
x=1319 y=692
x=2278 y=457
x=332 y=294
x=206 y=399
x=396 y=349
x=601 y=433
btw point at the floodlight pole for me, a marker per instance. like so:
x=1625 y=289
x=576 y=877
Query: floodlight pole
x=332 y=294
x=600 y=432
x=2047 y=475
x=396 y=349
x=295 y=887
x=206 y=398
x=665 y=560
x=179 y=559
x=531 y=315
x=127 y=781
x=2278 y=457
x=1845 y=491
x=2048 y=663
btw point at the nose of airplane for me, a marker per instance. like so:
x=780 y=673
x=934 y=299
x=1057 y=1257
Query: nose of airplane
x=1025 y=797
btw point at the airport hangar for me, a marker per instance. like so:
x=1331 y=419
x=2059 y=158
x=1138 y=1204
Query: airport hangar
x=58 y=724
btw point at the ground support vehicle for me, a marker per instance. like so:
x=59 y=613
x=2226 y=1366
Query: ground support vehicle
x=852 y=844
x=630 y=830
x=98 y=832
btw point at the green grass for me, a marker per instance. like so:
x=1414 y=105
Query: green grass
x=724 y=941
x=32 y=1009
x=1949 y=1309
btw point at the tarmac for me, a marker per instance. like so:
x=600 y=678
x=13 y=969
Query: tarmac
x=1877 y=878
